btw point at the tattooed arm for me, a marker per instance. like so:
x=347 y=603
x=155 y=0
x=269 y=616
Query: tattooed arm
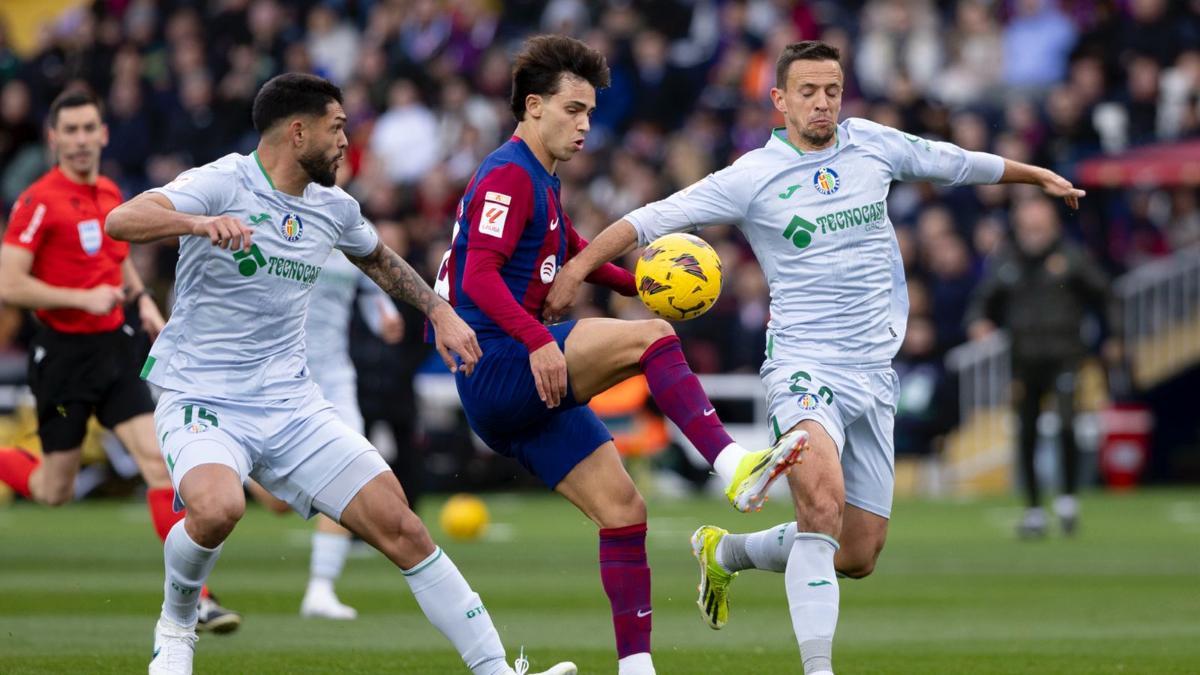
x=401 y=281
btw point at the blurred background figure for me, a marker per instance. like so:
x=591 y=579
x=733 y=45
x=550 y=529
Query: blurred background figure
x=1042 y=290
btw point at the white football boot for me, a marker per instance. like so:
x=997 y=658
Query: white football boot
x=320 y=602
x=174 y=647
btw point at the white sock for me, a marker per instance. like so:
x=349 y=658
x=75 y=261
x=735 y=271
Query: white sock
x=727 y=461
x=454 y=609
x=812 y=590
x=1065 y=506
x=767 y=550
x=188 y=566
x=636 y=664
x=328 y=557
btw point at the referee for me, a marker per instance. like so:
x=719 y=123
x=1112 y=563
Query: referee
x=57 y=260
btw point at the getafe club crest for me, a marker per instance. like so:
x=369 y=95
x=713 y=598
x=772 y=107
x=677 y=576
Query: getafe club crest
x=809 y=402
x=291 y=227
x=826 y=181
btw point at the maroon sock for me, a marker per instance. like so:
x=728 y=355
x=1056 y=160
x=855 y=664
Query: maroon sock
x=16 y=466
x=678 y=393
x=626 y=578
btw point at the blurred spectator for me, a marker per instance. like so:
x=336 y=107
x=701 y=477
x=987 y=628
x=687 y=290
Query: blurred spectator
x=900 y=40
x=405 y=139
x=1042 y=291
x=1037 y=42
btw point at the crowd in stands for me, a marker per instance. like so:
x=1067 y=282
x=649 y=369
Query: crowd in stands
x=426 y=86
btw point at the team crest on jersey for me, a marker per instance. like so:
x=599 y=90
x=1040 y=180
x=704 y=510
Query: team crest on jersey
x=291 y=227
x=809 y=402
x=826 y=181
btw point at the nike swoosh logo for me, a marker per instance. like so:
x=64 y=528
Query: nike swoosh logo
x=709 y=411
x=823 y=582
x=643 y=614
x=553 y=224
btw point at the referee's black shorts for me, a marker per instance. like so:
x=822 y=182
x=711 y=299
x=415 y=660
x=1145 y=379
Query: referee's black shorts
x=75 y=375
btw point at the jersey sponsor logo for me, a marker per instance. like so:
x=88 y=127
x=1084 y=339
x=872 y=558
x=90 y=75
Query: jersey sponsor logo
x=549 y=269
x=494 y=214
x=249 y=262
x=90 y=237
x=870 y=217
x=291 y=227
x=826 y=181
x=35 y=222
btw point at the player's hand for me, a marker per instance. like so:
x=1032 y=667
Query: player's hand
x=562 y=294
x=391 y=328
x=549 y=368
x=1057 y=186
x=454 y=337
x=152 y=319
x=100 y=300
x=224 y=231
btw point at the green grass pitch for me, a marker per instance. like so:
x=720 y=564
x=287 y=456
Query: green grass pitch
x=953 y=593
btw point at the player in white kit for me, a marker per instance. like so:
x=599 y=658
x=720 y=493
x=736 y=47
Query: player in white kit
x=238 y=402
x=327 y=343
x=812 y=204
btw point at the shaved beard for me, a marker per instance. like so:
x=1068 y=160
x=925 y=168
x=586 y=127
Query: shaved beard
x=320 y=170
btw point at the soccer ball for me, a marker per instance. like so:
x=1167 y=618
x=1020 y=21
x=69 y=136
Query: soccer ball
x=464 y=517
x=678 y=277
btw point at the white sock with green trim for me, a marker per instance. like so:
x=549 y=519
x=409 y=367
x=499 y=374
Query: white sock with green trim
x=456 y=610
x=812 y=590
x=188 y=565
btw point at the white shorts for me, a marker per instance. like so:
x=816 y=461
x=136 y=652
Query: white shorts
x=857 y=408
x=299 y=449
x=342 y=392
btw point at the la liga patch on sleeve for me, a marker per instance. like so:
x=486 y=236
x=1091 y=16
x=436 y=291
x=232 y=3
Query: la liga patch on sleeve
x=494 y=214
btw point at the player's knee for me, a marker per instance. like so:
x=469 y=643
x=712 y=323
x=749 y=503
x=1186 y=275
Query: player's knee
x=653 y=330
x=216 y=514
x=624 y=509
x=404 y=529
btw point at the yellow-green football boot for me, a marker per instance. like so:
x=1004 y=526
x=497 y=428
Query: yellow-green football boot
x=758 y=470
x=714 y=580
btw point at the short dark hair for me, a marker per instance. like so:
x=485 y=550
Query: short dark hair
x=543 y=60
x=76 y=97
x=292 y=94
x=808 y=50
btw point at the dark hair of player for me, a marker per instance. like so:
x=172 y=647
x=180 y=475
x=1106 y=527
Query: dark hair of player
x=76 y=97
x=544 y=59
x=292 y=94
x=808 y=50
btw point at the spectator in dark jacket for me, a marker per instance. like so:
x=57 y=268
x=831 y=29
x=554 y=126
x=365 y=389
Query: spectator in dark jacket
x=1041 y=291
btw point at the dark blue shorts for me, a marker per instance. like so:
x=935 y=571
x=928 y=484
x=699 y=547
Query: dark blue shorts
x=503 y=407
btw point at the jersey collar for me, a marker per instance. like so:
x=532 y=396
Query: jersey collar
x=262 y=171
x=533 y=160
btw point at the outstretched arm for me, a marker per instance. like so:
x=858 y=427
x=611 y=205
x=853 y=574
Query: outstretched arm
x=150 y=217
x=394 y=275
x=1051 y=183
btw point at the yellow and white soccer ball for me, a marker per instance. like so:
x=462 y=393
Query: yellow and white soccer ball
x=678 y=277
x=464 y=517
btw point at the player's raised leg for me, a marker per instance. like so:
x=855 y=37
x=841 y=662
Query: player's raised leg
x=213 y=493
x=601 y=488
x=603 y=352
x=379 y=513
x=137 y=435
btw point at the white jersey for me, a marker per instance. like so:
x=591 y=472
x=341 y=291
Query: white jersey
x=237 y=328
x=327 y=329
x=818 y=224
